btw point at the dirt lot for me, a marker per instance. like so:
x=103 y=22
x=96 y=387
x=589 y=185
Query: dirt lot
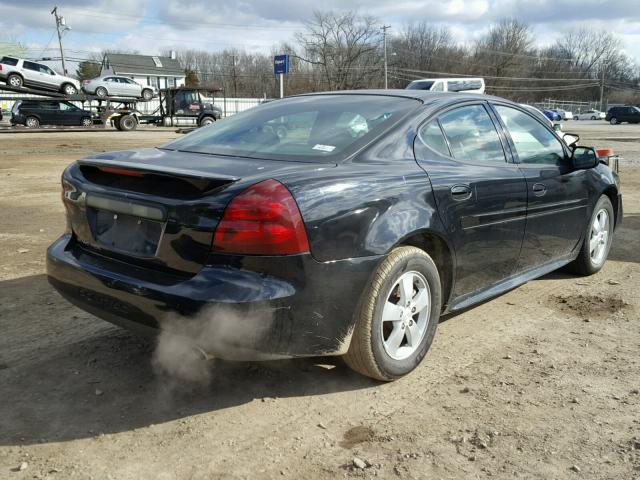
x=542 y=382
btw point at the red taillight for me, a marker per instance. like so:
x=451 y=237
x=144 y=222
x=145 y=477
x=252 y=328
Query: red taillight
x=262 y=220
x=122 y=171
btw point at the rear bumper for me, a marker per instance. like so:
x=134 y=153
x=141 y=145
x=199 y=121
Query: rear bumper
x=235 y=307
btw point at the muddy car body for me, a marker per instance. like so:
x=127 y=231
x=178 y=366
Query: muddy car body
x=355 y=242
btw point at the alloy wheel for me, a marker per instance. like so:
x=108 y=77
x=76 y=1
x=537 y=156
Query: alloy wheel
x=405 y=315
x=599 y=237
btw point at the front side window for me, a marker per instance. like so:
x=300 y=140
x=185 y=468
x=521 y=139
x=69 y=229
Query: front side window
x=306 y=128
x=472 y=135
x=46 y=70
x=67 y=107
x=534 y=143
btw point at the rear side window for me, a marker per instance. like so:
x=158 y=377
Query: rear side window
x=472 y=135
x=432 y=136
x=534 y=143
x=31 y=66
x=9 y=61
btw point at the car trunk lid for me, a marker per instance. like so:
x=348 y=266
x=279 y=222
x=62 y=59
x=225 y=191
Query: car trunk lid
x=158 y=208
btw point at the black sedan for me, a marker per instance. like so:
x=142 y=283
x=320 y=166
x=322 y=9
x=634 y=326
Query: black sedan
x=349 y=233
x=34 y=113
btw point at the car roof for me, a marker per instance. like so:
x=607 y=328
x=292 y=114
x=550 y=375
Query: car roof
x=423 y=95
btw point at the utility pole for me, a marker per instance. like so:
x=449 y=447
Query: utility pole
x=61 y=27
x=384 y=41
x=602 y=90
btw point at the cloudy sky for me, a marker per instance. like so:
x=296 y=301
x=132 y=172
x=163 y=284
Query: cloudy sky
x=150 y=26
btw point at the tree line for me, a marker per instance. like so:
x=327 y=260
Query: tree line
x=338 y=51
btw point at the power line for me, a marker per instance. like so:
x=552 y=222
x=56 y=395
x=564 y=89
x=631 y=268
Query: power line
x=497 y=77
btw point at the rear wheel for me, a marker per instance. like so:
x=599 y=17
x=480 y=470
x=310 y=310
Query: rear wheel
x=597 y=240
x=593 y=117
x=69 y=89
x=102 y=92
x=128 y=123
x=613 y=121
x=32 y=122
x=15 y=80
x=147 y=94
x=397 y=316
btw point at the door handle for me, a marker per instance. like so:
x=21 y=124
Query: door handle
x=539 y=189
x=461 y=192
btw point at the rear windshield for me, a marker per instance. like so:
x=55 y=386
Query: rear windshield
x=307 y=128
x=420 y=85
x=9 y=61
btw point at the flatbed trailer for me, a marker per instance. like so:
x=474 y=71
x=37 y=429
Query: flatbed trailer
x=179 y=106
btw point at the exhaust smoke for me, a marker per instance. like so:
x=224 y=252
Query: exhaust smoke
x=185 y=344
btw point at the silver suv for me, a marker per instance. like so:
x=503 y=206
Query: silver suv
x=17 y=72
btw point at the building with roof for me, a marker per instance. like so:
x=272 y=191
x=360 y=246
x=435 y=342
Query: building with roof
x=154 y=71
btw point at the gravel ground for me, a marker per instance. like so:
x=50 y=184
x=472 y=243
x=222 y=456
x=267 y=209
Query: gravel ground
x=542 y=382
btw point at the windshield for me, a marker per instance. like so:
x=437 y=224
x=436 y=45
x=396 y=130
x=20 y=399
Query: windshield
x=307 y=128
x=420 y=85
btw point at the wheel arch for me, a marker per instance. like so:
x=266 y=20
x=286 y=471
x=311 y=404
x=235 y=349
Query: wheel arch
x=612 y=192
x=442 y=254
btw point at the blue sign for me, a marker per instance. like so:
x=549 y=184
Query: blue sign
x=281 y=64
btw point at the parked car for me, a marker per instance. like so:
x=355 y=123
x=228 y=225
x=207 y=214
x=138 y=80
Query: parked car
x=627 y=113
x=538 y=112
x=467 y=85
x=564 y=114
x=34 y=113
x=328 y=243
x=118 y=86
x=17 y=72
x=590 y=115
x=552 y=115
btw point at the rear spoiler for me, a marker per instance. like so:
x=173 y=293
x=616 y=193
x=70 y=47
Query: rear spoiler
x=157 y=170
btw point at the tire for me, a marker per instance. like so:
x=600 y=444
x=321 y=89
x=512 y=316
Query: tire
x=585 y=263
x=613 y=121
x=128 y=123
x=593 y=118
x=204 y=121
x=15 y=80
x=102 y=92
x=69 y=89
x=147 y=94
x=86 y=122
x=32 y=122
x=369 y=352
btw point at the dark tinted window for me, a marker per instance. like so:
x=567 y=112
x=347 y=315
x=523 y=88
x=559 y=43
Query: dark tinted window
x=534 y=143
x=311 y=127
x=9 y=61
x=432 y=136
x=31 y=66
x=472 y=135
x=420 y=85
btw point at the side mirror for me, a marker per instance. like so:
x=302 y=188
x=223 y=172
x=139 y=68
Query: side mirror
x=584 y=158
x=571 y=138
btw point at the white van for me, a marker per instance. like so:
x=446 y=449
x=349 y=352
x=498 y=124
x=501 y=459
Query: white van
x=467 y=85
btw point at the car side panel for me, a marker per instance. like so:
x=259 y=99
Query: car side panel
x=368 y=205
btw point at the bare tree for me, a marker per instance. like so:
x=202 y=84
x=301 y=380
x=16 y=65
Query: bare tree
x=345 y=46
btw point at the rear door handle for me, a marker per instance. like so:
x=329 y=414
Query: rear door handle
x=461 y=192
x=539 y=189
